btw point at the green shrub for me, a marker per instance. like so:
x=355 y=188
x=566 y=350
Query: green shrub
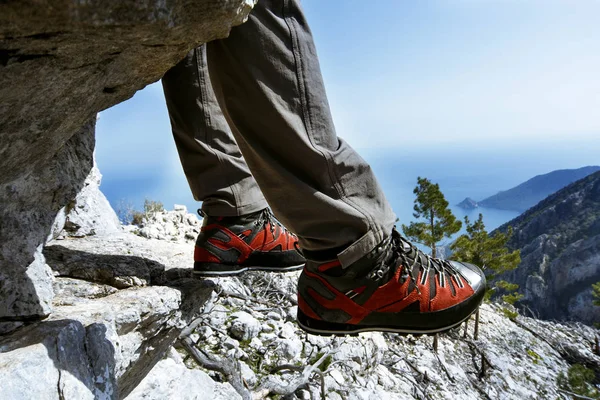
x=510 y=314
x=579 y=381
x=151 y=208
x=512 y=298
x=137 y=218
x=536 y=357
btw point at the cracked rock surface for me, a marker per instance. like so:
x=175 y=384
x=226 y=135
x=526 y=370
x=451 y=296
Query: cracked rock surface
x=61 y=62
x=120 y=303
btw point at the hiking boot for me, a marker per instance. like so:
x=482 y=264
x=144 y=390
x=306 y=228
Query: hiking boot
x=231 y=245
x=395 y=288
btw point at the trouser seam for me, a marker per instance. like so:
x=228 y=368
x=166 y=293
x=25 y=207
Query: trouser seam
x=334 y=178
x=200 y=73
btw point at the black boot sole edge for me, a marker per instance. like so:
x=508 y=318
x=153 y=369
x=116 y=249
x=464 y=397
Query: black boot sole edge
x=213 y=270
x=463 y=310
x=354 y=330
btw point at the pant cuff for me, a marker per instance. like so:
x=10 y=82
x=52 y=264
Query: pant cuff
x=362 y=246
x=227 y=210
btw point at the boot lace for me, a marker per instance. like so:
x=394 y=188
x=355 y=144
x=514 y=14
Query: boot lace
x=401 y=253
x=267 y=218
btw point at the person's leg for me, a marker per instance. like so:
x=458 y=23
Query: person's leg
x=360 y=274
x=268 y=81
x=238 y=232
x=212 y=162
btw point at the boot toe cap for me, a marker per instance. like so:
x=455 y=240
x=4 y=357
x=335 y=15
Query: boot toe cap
x=473 y=274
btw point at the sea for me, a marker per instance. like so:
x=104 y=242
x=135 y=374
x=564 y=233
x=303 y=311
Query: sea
x=137 y=157
x=457 y=177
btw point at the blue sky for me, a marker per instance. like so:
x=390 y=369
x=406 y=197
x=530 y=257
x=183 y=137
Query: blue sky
x=512 y=80
x=460 y=69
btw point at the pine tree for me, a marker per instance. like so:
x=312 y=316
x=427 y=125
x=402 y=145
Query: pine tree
x=490 y=253
x=596 y=293
x=435 y=220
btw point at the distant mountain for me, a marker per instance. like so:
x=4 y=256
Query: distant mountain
x=468 y=204
x=559 y=239
x=527 y=194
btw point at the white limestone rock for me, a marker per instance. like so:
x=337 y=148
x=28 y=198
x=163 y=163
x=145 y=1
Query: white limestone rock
x=98 y=343
x=244 y=326
x=90 y=213
x=175 y=225
x=171 y=379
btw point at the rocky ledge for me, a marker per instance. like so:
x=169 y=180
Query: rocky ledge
x=130 y=323
x=120 y=303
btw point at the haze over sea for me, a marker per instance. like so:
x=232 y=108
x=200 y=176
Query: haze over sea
x=134 y=170
x=478 y=96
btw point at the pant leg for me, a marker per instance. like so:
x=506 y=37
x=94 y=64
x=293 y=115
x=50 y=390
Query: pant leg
x=268 y=81
x=213 y=164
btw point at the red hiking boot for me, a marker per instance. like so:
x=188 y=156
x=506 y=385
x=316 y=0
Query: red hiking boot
x=395 y=288
x=231 y=245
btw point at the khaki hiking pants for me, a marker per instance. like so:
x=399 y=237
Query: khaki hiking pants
x=253 y=129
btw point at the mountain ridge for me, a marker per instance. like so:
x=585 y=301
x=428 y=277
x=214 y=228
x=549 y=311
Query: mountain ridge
x=527 y=194
x=559 y=239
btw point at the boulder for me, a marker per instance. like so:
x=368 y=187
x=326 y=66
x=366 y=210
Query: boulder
x=98 y=343
x=90 y=213
x=28 y=208
x=61 y=62
x=64 y=60
x=171 y=379
x=244 y=326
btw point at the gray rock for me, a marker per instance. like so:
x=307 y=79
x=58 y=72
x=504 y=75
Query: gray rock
x=535 y=288
x=90 y=213
x=67 y=60
x=205 y=332
x=289 y=349
x=247 y=374
x=275 y=316
x=10 y=326
x=96 y=348
x=28 y=208
x=288 y=331
x=291 y=313
x=49 y=361
x=119 y=271
x=121 y=260
x=304 y=394
x=73 y=291
x=244 y=326
x=62 y=63
x=230 y=343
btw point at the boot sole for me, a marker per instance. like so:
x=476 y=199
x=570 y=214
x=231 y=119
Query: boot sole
x=322 y=328
x=221 y=270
